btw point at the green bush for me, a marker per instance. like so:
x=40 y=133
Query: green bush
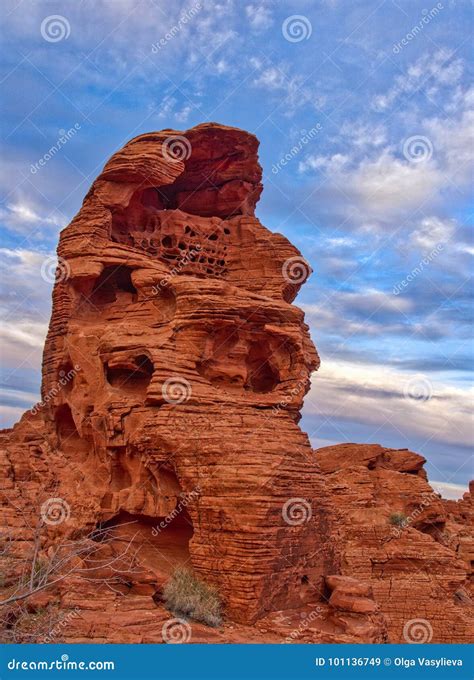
x=186 y=595
x=398 y=519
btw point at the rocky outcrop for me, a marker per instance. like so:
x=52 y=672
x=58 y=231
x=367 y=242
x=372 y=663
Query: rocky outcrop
x=398 y=535
x=174 y=371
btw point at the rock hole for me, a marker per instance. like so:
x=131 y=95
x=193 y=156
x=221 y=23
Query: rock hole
x=132 y=376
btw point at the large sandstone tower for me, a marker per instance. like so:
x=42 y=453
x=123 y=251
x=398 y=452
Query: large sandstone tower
x=174 y=371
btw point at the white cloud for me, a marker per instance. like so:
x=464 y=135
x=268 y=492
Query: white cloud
x=25 y=304
x=271 y=79
x=20 y=216
x=292 y=90
x=378 y=395
x=449 y=491
x=431 y=232
x=259 y=16
x=439 y=69
x=363 y=135
x=386 y=185
x=11 y=414
x=332 y=165
x=380 y=185
x=453 y=140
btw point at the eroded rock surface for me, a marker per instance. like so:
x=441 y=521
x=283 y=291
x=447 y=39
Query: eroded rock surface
x=174 y=371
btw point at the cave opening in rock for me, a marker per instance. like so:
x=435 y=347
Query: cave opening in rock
x=161 y=544
x=132 y=376
x=70 y=440
x=262 y=376
x=113 y=283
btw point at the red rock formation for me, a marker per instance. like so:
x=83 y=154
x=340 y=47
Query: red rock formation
x=174 y=370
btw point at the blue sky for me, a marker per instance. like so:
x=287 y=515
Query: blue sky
x=370 y=107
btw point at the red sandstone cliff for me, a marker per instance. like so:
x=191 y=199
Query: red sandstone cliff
x=173 y=374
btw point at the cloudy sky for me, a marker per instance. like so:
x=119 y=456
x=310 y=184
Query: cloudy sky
x=364 y=111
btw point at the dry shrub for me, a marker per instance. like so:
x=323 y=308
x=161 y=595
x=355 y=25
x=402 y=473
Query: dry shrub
x=186 y=595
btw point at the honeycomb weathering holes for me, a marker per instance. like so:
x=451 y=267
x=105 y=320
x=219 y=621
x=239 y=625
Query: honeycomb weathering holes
x=148 y=225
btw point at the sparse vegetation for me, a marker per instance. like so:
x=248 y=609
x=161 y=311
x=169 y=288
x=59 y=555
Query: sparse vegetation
x=186 y=595
x=398 y=519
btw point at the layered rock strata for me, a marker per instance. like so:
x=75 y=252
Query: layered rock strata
x=174 y=372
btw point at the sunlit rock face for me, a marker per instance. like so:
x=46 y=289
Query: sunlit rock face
x=174 y=372
x=176 y=306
